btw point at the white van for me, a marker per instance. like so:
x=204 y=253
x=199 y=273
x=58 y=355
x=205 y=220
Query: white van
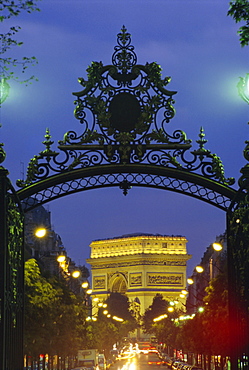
x=102 y=361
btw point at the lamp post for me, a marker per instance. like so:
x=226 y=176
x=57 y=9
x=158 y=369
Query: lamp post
x=40 y=242
x=243 y=88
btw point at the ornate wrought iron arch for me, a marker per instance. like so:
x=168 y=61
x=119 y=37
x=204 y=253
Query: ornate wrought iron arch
x=125 y=177
x=124 y=110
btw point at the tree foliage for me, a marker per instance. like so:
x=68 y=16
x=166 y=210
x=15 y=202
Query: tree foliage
x=239 y=11
x=158 y=307
x=165 y=330
x=118 y=305
x=208 y=332
x=54 y=317
x=9 y=9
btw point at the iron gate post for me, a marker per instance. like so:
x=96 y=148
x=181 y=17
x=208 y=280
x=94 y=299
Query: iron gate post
x=238 y=283
x=11 y=277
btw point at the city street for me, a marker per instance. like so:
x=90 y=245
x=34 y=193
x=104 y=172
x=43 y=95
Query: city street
x=138 y=362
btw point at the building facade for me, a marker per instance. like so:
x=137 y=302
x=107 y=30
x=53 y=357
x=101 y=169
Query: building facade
x=47 y=249
x=139 y=266
x=213 y=263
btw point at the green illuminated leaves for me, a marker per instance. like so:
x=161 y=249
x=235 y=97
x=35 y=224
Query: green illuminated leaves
x=239 y=11
x=10 y=8
x=8 y=65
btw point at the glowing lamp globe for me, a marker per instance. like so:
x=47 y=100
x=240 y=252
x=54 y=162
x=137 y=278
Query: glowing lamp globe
x=243 y=88
x=76 y=274
x=199 y=269
x=217 y=247
x=41 y=232
x=61 y=258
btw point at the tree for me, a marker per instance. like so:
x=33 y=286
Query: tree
x=208 y=332
x=215 y=317
x=9 y=9
x=192 y=336
x=103 y=334
x=40 y=298
x=157 y=308
x=239 y=11
x=165 y=329
x=118 y=305
x=55 y=318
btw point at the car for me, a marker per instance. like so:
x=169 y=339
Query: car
x=182 y=366
x=154 y=362
x=152 y=350
x=175 y=365
x=167 y=361
x=153 y=359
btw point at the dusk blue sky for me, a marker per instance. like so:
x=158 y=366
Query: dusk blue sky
x=194 y=42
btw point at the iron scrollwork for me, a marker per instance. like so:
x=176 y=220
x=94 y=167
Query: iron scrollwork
x=124 y=110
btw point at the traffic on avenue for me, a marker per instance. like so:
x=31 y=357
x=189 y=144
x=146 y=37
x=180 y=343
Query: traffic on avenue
x=144 y=356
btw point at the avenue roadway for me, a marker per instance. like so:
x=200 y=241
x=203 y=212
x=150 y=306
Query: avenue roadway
x=139 y=362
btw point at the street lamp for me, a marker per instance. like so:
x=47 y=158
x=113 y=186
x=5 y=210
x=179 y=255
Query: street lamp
x=199 y=269
x=61 y=258
x=217 y=246
x=40 y=232
x=4 y=90
x=76 y=274
x=190 y=281
x=171 y=309
x=243 y=88
x=85 y=284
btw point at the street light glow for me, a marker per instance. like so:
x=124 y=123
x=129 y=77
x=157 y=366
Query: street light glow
x=217 y=247
x=40 y=232
x=85 y=284
x=243 y=88
x=190 y=281
x=199 y=269
x=76 y=274
x=171 y=309
x=61 y=259
x=160 y=317
x=4 y=90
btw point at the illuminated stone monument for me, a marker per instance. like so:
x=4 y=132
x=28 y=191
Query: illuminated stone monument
x=140 y=266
